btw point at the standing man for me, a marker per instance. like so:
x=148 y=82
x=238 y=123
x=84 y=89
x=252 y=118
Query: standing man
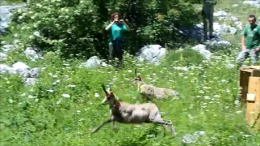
x=250 y=42
x=117 y=26
x=207 y=14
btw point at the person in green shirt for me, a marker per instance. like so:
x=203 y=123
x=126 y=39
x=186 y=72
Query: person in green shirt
x=117 y=27
x=250 y=42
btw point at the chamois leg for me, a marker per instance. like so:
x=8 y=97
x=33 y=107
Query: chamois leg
x=101 y=125
x=114 y=125
x=162 y=122
x=164 y=128
x=173 y=130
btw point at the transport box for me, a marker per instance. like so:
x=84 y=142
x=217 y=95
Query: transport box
x=249 y=85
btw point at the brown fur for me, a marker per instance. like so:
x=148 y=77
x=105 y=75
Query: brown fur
x=123 y=112
x=149 y=91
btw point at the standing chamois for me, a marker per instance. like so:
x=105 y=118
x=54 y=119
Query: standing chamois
x=132 y=113
x=149 y=91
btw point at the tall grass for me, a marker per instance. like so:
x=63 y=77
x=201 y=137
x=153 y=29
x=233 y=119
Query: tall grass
x=36 y=116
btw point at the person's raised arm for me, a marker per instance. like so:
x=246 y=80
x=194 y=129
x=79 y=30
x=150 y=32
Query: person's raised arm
x=109 y=26
x=127 y=27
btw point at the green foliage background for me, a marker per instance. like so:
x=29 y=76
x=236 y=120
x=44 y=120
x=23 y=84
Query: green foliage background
x=76 y=27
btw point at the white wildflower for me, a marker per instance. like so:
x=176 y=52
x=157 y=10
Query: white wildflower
x=50 y=91
x=247 y=135
x=97 y=95
x=238 y=112
x=36 y=33
x=72 y=86
x=66 y=95
x=59 y=101
x=236 y=102
x=185 y=69
x=190 y=117
x=30 y=96
x=202 y=92
x=11 y=100
x=55 y=83
x=180 y=74
x=216 y=96
x=227 y=90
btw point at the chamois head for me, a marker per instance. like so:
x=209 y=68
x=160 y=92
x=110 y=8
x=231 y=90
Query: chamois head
x=109 y=98
x=138 y=77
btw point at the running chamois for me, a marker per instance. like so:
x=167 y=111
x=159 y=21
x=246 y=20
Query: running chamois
x=127 y=113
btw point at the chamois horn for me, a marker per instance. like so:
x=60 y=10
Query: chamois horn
x=104 y=88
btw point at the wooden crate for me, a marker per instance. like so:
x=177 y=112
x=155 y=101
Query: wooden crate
x=253 y=103
x=244 y=74
x=249 y=84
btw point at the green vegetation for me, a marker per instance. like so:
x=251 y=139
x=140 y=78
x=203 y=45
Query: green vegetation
x=10 y=2
x=76 y=28
x=40 y=115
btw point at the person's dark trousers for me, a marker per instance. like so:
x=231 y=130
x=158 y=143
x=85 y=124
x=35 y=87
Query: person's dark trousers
x=118 y=51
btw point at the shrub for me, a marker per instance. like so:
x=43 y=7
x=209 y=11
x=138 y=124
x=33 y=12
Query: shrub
x=76 y=28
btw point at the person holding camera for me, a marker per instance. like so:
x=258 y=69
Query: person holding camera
x=117 y=26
